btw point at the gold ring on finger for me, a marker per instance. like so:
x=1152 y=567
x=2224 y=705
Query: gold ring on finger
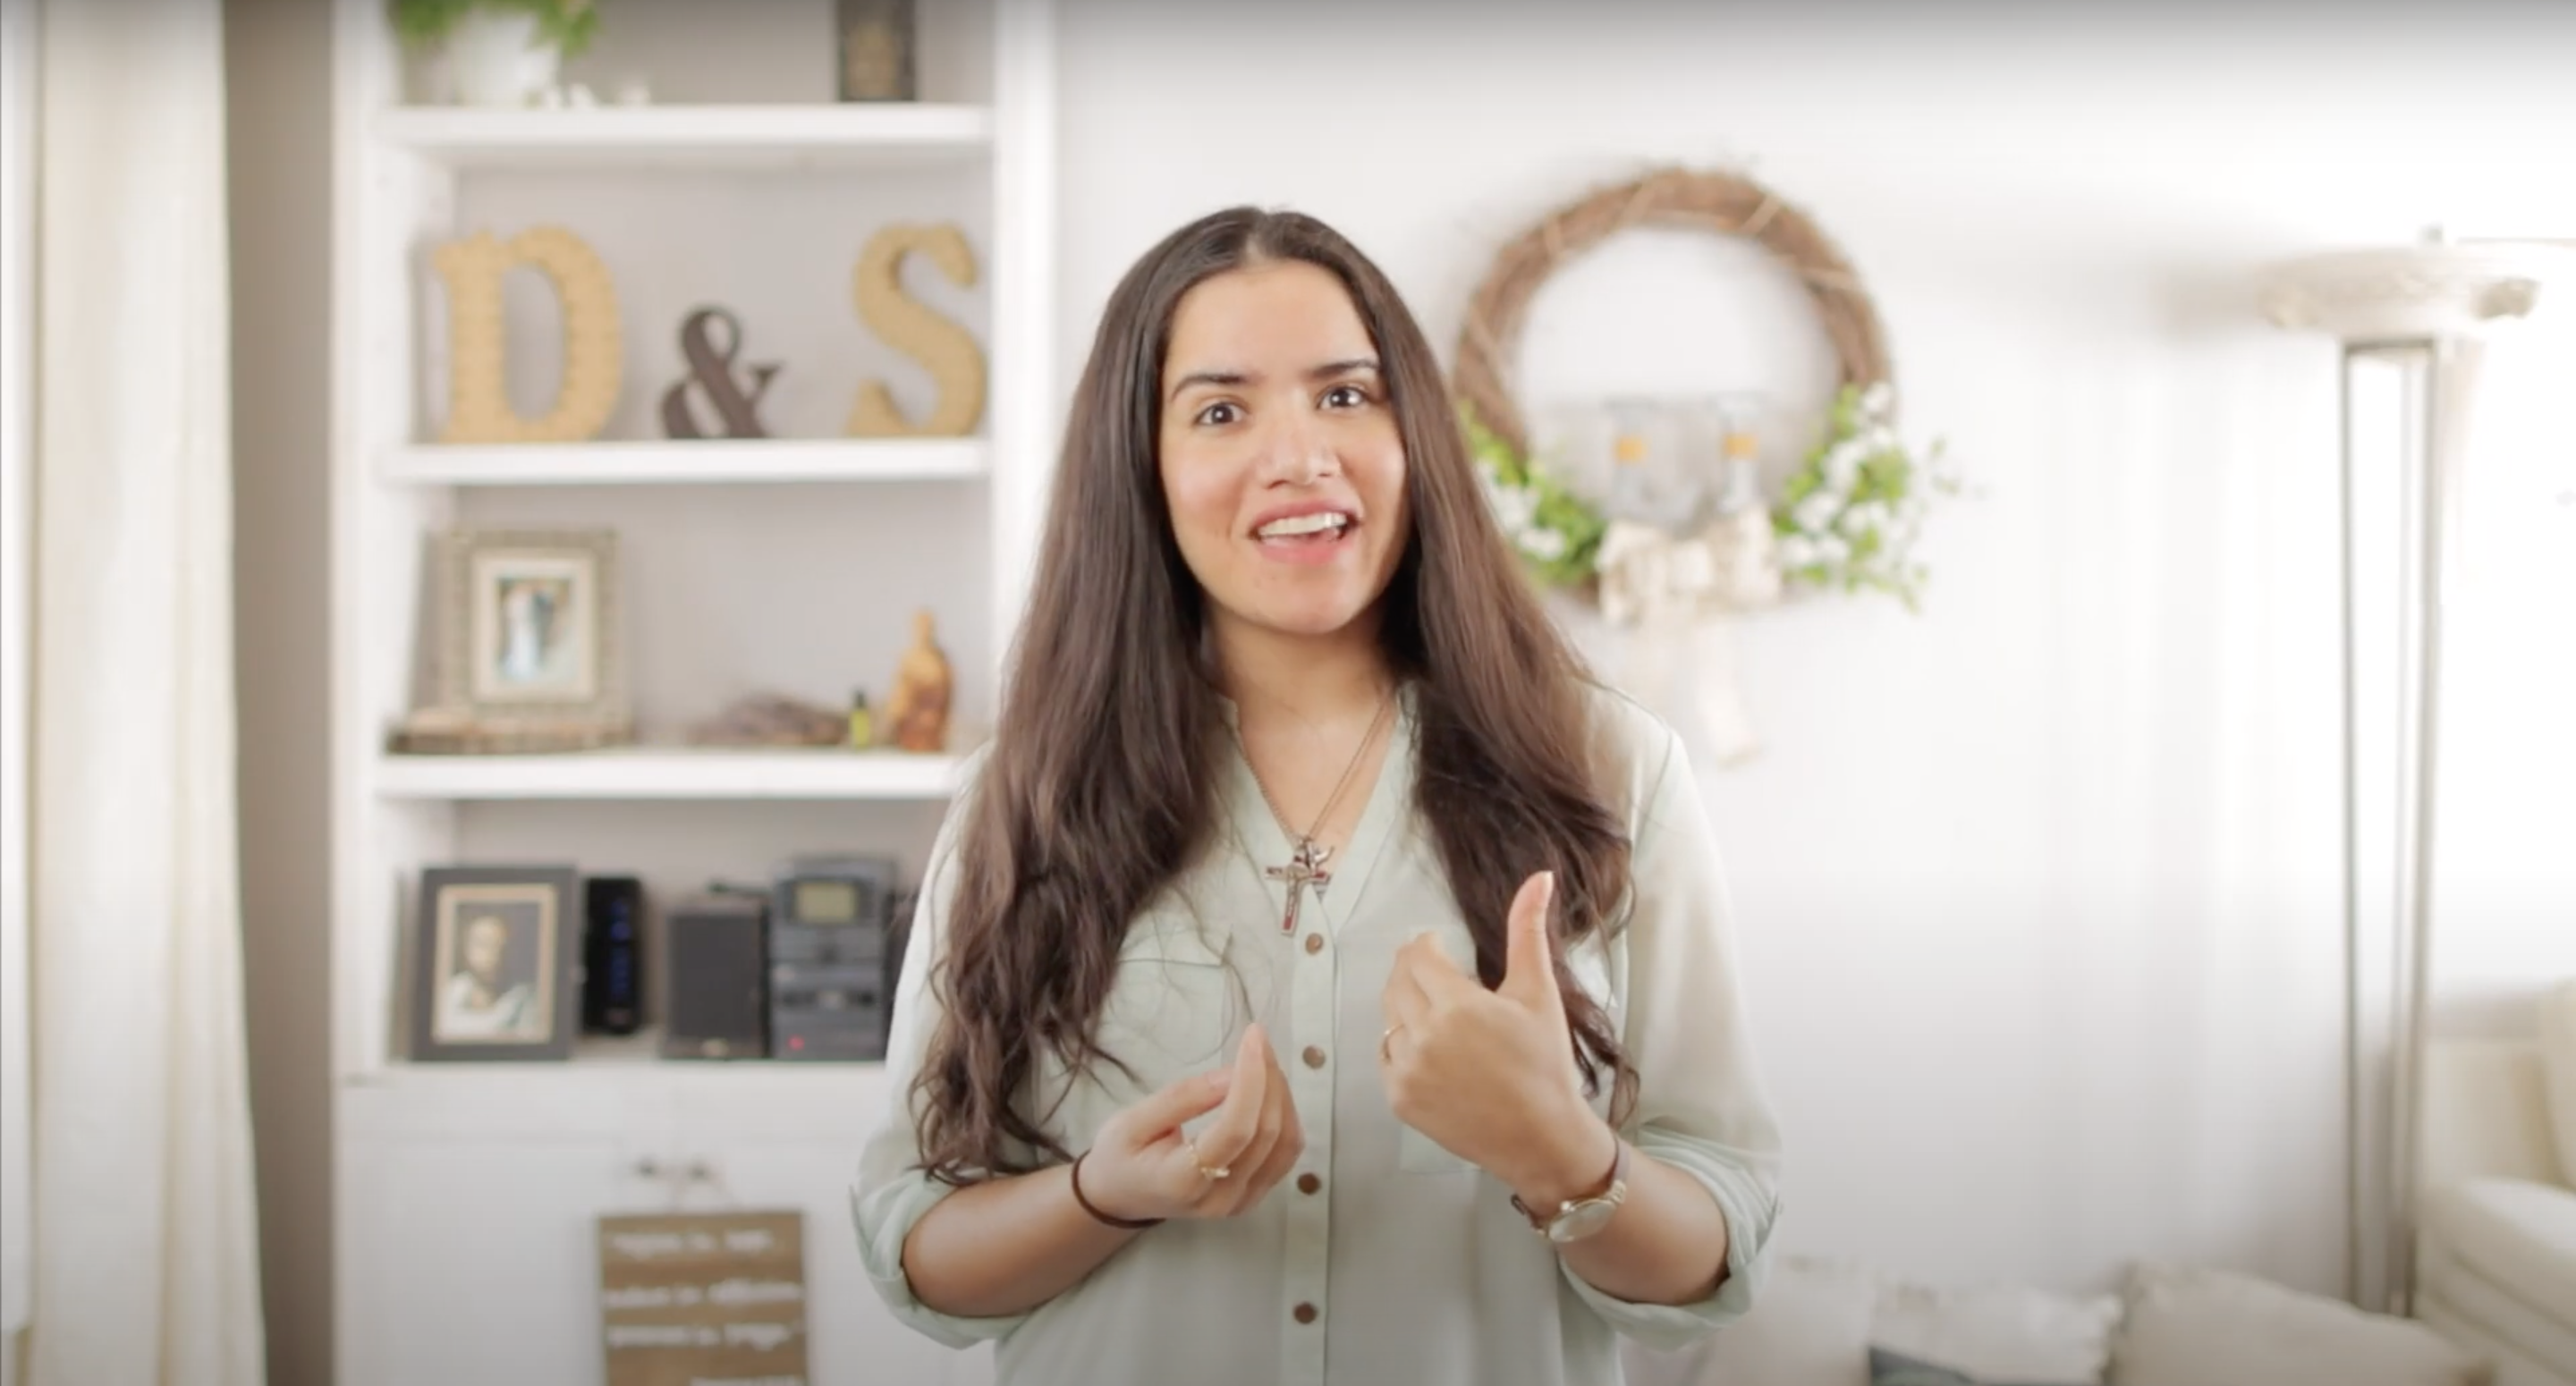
x=1206 y=1173
x=1385 y=1043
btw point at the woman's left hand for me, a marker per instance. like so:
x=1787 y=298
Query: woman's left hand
x=1490 y=1075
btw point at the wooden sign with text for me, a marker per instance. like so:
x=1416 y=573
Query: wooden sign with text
x=703 y=1299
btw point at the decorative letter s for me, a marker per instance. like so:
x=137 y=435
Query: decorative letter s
x=943 y=347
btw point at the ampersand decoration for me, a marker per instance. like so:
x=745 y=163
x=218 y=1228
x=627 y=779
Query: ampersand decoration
x=478 y=408
x=711 y=370
x=945 y=349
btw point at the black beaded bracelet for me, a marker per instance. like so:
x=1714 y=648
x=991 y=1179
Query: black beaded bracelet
x=1122 y=1224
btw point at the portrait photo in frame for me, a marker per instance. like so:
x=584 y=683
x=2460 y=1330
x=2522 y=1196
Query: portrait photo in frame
x=495 y=958
x=529 y=622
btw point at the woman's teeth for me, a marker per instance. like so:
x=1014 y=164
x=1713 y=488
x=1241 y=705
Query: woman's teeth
x=1300 y=526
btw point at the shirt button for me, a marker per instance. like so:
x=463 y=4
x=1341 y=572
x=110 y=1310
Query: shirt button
x=1308 y=1183
x=1305 y=1313
x=1314 y=943
x=1314 y=1057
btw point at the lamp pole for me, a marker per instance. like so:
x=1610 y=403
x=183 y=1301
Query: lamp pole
x=2411 y=323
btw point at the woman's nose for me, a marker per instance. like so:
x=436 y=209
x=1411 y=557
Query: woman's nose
x=1295 y=452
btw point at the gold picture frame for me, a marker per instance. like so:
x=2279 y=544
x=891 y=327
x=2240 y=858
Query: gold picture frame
x=530 y=624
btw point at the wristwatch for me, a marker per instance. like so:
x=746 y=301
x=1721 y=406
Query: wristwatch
x=1578 y=1218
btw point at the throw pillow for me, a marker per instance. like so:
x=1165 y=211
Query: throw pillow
x=1896 y=1369
x=2218 y=1328
x=1808 y=1327
x=2558 y=1064
x=1999 y=1332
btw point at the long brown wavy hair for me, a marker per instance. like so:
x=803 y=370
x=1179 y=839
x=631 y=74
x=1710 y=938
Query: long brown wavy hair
x=1101 y=782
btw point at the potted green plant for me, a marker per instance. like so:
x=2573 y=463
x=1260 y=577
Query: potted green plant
x=499 y=52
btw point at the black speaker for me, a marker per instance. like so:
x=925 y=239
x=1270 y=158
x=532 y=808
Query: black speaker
x=612 y=955
x=715 y=976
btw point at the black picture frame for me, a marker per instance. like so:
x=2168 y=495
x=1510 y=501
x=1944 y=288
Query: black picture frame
x=496 y=962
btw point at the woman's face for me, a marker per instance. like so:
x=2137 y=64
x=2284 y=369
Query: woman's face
x=486 y=940
x=1281 y=460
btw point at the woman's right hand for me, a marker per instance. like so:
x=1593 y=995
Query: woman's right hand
x=1142 y=1166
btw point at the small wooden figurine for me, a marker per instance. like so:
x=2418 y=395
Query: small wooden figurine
x=916 y=714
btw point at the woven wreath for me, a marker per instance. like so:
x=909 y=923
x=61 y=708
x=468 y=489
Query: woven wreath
x=1844 y=520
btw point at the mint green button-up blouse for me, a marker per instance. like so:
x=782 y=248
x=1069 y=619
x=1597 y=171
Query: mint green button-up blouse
x=1382 y=1260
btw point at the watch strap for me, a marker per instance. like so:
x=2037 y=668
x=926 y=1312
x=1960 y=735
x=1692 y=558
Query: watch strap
x=1613 y=1187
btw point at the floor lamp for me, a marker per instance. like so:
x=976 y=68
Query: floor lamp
x=2411 y=323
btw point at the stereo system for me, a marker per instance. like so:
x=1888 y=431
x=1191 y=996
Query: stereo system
x=830 y=926
x=801 y=969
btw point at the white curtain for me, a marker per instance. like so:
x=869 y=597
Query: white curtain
x=17 y=440
x=146 y=1262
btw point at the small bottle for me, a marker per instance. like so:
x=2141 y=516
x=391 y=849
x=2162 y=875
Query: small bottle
x=1632 y=488
x=1751 y=568
x=1743 y=481
x=862 y=723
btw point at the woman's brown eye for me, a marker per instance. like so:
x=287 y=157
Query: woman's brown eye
x=1209 y=414
x=1345 y=397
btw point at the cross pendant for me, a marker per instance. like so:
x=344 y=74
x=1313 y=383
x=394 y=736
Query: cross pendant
x=1304 y=869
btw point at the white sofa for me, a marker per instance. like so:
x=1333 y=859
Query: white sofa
x=1826 y=1323
x=2496 y=1225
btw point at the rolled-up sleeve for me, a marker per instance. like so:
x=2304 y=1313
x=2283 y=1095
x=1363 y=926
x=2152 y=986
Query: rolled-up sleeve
x=1701 y=1107
x=892 y=1193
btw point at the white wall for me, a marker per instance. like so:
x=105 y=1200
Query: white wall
x=2039 y=888
x=2506 y=880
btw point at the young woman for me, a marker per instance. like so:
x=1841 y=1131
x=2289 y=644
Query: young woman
x=1320 y=979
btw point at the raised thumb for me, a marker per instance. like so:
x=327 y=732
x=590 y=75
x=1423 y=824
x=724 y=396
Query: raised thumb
x=1529 y=968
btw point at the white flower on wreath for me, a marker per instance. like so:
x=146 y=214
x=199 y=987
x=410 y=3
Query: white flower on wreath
x=1815 y=514
x=1842 y=467
x=1515 y=507
x=1864 y=517
x=1545 y=545
x=1878 y=400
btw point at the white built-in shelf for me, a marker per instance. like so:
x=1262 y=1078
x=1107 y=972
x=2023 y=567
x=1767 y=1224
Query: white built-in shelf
x=684 y=136
x=708 y=462
x=606 y=1081
x=671 y=773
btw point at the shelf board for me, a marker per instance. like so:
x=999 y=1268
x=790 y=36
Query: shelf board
x=685 y=463
x=753 y=137
x=671 y=773
x=614 y=1084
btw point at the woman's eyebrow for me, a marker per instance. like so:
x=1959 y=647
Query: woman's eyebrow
x=1208 y=378
x=1328 y=370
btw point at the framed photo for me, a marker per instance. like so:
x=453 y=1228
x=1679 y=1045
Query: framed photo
x=495 y=963
x=530 y=619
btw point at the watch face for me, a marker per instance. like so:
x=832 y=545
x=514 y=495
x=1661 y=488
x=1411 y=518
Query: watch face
x=1582 y=1220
